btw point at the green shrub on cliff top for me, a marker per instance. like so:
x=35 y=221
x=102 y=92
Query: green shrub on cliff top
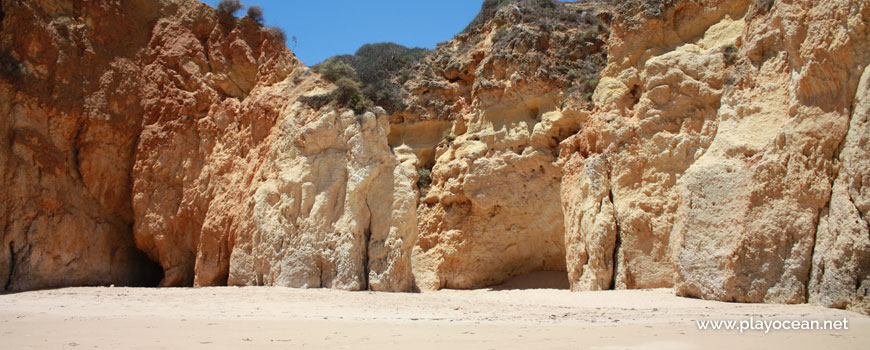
x=348 y=94
x=336 y=68
x=379 y=71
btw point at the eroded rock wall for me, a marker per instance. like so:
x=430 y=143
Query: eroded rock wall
x=176 y=135
x=494 y=104
x=769 y=171
x=656 y=108
x=237 y=182
x=333 y=208
x=70 y=121
x=716 y=142
x=213 y=95
x=840 y=275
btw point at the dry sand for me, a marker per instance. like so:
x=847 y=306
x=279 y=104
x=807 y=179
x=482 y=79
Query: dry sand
x=271 y=317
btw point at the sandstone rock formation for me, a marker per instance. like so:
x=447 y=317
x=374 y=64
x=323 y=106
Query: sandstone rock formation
x=767 y=175
x=498 y=100
x=334 y=208
x=175 y=138
x=656 y=108
x=841 y=257
x=718 y=147
x=70 y=122
x=209 y=103
x=718 y=140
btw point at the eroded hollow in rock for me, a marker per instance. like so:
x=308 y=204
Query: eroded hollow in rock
x=536 y=280
x=150 y=272
x=493 y=165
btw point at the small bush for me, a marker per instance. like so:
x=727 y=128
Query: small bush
x=379 y=71
x=256 y=13
x=487 y=10
x=531 y=11
x=377 y=62
x=590 y=84
x=730 y=54
x=589 y=34
x=500 y=33
x=424 y=179
x=347 y=88
x=546 y=4
x=349 y=95
x=277 y=33
x=229 y=7
x=335 y=68
x=382 y=69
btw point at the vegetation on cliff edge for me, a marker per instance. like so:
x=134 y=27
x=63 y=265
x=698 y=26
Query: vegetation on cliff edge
x=379 y=71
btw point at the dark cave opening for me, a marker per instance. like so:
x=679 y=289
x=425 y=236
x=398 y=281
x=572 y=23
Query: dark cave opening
x=146 y=272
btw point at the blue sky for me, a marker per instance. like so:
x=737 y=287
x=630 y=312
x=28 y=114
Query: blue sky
x=327 y=28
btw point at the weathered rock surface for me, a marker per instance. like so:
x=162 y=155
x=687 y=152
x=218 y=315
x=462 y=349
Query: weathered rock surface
x=716 y=141
x=69 y=124
x=238 y=183
x=180 y=137
x=210 y=98
x=750 y=205
x=334 y=208
x=841 y=257
x=498 y=99
x=656 y=114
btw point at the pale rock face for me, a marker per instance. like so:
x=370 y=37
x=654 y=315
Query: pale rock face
x=658 y=118
x=486 y=117
x=335 y=208
x=477 y=224
x=841 y=258
x=718 y=140
x=750 y=206
x=590 y=225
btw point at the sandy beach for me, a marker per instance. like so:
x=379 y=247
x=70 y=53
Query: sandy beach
x=273 y=317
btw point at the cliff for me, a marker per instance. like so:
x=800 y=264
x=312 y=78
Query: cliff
x=718 y=147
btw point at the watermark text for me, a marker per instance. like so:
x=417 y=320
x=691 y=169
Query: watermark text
x=753 y=324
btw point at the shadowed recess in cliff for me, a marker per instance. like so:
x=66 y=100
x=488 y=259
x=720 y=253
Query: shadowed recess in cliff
x=535 y=280
x=11 y=266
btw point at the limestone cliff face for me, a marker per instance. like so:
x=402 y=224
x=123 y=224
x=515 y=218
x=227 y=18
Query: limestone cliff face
x=70 y=121
x=718 y=147
x=333 y=208
x=486 y=114
x=775 y=155
x=182 y=134
x=209 y=103
x=656 y=114
x=713 y=150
